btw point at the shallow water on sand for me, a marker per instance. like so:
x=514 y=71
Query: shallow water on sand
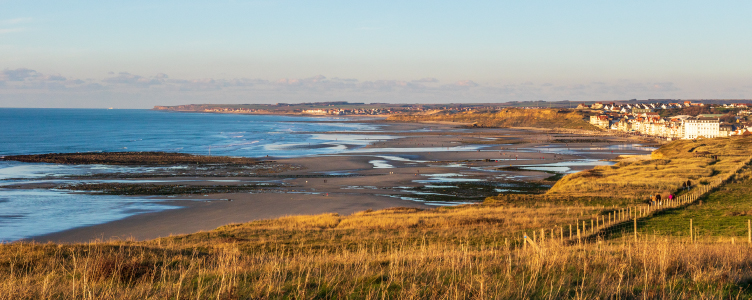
x=28 y=213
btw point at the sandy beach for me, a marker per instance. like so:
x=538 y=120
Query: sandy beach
x=421 y=165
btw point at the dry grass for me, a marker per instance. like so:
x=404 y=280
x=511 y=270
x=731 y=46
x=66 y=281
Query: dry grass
x=506 y=218
x=733 y=146
x=509 y=117
x=406 y=268
x=670 y=166
x=465 y=252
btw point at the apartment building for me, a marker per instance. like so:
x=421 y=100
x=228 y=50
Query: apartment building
x=701 y=127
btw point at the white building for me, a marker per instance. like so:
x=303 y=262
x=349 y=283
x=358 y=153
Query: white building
x=701 y=127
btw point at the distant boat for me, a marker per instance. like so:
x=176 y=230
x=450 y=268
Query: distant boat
x=110 y=108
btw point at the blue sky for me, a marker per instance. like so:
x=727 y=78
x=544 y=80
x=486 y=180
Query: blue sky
x=144 y=53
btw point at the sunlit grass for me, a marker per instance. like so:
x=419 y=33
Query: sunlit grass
x=372 y=265
x=508 y=117
x=672 y=165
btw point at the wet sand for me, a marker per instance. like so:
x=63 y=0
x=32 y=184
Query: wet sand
x=372 y=177
x=207 y=213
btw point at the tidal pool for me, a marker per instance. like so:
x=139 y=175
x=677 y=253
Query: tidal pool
x=29 y=213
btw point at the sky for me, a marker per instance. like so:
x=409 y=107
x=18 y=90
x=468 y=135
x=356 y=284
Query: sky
x=137 y=54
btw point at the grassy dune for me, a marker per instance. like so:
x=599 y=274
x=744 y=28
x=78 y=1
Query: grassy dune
x=400 y=253
x=669 y=167
x=510 y=117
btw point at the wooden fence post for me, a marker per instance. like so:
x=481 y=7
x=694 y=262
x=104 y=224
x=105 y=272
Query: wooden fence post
x=553 y=238
x=635 y=230
x=543 y=236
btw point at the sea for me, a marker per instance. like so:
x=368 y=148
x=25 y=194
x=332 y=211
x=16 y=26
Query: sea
x=35 y=131
x=25 y=213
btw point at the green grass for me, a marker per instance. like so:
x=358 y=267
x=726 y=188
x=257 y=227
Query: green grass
x=723 y=213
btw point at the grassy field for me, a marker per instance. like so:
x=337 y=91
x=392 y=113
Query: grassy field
x=671 y=165
x=463 y=252
x=511 y=117
x=719 y=216
x=396 y=254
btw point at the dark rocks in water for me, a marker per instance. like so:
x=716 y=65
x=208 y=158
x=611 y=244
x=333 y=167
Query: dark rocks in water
x=129 y=158
x=164 y=189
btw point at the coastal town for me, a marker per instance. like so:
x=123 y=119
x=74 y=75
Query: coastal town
x=677 y=120
x=669 y=120
x=336 y=108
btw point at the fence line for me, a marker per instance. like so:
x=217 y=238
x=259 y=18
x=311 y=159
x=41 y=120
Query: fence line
x=620 y=217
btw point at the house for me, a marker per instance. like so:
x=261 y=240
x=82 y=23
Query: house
x=624 y=124
x=725 y=130
x=601 y=121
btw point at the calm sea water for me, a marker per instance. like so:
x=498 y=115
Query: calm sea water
x=28 y=213
x=29 y=131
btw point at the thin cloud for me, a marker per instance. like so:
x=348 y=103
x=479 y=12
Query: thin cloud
x=16 y=21
x=126 y=78
x=20 y=74
x=12 y=22
x=24 y=81
x=10 y=30
x=426 y=80
x=466 y=83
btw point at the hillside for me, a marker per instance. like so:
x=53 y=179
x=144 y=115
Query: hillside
x=670 y=166
x=510 y=117
x=468 y=252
